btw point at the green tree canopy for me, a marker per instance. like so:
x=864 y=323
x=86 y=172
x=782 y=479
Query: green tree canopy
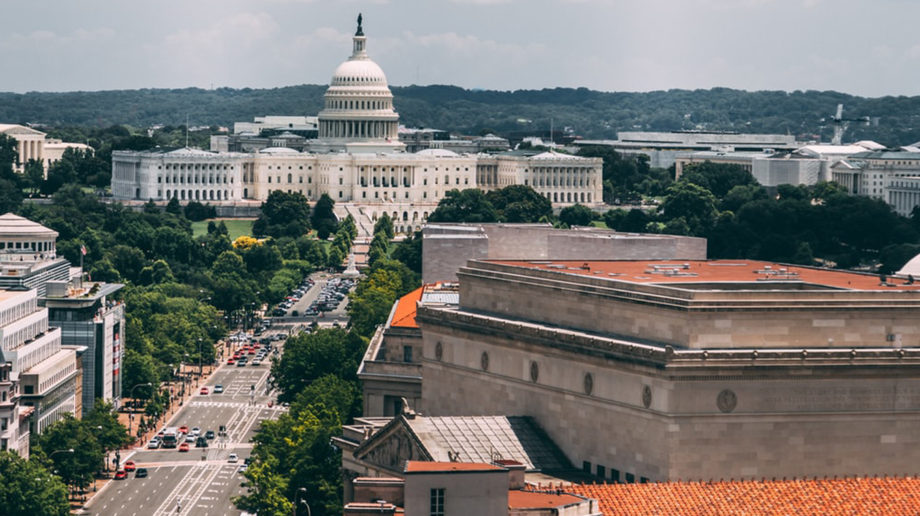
x=718 y=178
x=520 y=203
x=576 y=215
x=470 y=205
x=29 y=489
x=283 y=214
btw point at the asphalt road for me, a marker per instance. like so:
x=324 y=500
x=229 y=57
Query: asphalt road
x=338 y=315
x=200 y=481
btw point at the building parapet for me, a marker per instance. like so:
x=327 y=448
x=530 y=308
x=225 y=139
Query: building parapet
x=666 y=356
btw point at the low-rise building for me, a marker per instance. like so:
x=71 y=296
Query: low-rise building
x=462 y=488
x=391 y=370
x=663 y=148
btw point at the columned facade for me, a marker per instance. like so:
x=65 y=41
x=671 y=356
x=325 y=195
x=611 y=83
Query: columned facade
x=358 y=104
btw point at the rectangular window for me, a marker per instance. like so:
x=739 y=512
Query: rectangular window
x=615 y=475
x=437 y=502
x=407 y=353
x=601 y=471
x=630 y=478
x=586 y=467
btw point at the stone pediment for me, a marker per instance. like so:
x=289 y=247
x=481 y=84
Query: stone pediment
x=12 y=129
x=391 y=447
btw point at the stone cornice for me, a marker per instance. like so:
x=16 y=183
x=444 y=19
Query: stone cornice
x=665 y=357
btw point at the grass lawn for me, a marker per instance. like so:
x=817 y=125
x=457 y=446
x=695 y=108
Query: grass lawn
x=236 y=227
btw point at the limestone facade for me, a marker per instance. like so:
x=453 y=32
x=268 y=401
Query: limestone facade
x=646 y=380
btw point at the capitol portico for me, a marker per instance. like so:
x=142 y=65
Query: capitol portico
x=357 y=158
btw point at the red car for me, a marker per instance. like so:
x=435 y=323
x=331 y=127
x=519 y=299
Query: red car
x=231 y=361
x=120 y=475
x=183 y=429
x=252 y=352
x=130 y=466
x=204 y=391
x=183 y=447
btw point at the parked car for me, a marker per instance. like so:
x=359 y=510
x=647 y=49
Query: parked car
x=141 y=473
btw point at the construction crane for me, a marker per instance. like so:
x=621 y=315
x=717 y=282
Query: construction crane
x=841 y=124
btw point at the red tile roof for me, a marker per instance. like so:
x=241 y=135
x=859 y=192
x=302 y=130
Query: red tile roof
x=850 y=496
x=714 y=271
x=406 y=307
x=417 y=466
x=533 y=500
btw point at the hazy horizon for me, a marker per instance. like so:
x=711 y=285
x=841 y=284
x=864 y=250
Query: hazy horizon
x=845 y=46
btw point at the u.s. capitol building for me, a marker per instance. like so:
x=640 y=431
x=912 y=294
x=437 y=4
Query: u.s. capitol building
x=357 y=158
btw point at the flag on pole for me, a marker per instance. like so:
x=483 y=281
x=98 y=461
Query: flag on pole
x=83 y=250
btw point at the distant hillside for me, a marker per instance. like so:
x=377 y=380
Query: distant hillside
x=591 y=114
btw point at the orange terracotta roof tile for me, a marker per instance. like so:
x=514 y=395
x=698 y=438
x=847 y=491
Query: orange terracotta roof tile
x=850 y=496
x=696 y=271
x=418 y=466
x=533 y=500
x=406 y=307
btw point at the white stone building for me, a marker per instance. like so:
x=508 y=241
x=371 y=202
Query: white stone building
x=46 y=372
x=892 y=176
x=357 y=158
x=33 y=144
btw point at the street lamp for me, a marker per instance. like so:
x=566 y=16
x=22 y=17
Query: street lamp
x=68 y=450
x=131 y=415
x=298 y=500
x=199 y=358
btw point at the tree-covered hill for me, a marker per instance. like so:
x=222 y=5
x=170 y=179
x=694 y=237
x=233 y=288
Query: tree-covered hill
x=588 y=113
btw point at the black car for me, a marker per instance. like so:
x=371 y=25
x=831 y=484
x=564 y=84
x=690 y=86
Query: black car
x=140 y=473
x=209 y=434
x=201 y=442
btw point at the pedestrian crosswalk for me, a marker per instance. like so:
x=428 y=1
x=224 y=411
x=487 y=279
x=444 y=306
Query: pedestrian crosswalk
x=219 y=404
x=237 y=404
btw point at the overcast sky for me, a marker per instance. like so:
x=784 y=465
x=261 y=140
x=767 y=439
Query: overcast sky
x=868 y=48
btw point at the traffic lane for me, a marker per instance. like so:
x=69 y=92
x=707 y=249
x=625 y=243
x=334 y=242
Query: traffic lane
x=136 y=496
x=217 y=497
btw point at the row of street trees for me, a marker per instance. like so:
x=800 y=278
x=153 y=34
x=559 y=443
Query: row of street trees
x=317 y=376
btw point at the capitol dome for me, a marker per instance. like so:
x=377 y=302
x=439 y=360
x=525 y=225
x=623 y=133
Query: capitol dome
x=358 y=105
x=359 y=72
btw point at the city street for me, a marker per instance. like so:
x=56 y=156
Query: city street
x=200 y=481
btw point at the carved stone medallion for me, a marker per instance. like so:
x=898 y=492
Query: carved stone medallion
x=484 y=361
x=726 y=401
x=438 y=351
x=589 y=384
x=646 y=395
x=534 y=371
